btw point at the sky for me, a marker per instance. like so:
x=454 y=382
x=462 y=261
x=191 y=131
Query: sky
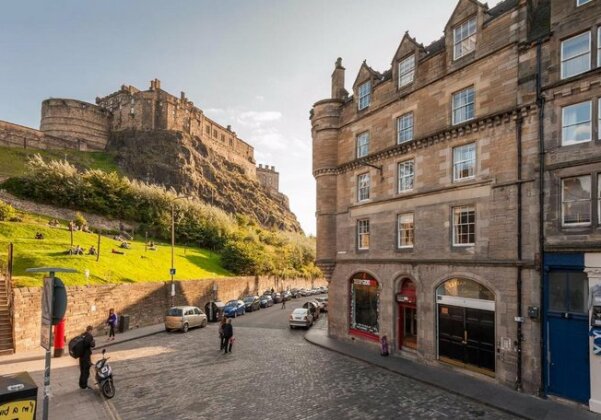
x=258 y=65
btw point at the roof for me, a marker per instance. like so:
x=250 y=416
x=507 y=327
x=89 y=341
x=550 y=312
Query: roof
x=540 y=21
x=435 y=46
x=501 y=8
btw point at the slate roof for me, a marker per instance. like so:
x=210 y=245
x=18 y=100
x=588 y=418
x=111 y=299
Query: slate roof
x=501 y=8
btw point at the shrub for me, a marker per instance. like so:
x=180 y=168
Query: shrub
x=7 y=212
x=79 y=220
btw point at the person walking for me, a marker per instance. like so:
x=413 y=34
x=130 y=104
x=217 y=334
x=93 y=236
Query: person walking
x=85 y=361
x=228 y=334
x=112 y=323
x=221 y=335
x=283 y=302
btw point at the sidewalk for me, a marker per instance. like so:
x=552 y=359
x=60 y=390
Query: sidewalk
x=67 y=400
x=493 y=395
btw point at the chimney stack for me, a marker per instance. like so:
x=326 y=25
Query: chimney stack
x=338 y=90
x=229 y=128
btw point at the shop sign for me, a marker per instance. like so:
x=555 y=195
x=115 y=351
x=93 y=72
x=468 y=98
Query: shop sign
x=362 y=282
x=401 y=298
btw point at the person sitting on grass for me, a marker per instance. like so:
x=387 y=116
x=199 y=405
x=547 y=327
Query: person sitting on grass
x=78 y=250
x=125 y=245
x=152 y=246
x=39 y=235
x=92 y=250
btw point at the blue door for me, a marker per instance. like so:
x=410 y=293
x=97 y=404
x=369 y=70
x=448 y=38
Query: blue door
x=567 y=339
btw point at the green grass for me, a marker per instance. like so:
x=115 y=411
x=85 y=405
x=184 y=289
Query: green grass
x=137 y=265
x=12 y=160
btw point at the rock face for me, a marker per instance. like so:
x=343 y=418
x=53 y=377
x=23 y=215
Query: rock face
x=178 y=160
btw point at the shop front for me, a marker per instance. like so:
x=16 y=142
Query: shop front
x=466 y=325
x=364 y=306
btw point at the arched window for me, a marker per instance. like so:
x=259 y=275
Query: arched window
x=365 y=296
x=465 y=288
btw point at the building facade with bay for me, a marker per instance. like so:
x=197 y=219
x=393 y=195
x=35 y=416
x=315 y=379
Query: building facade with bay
x=427 y=197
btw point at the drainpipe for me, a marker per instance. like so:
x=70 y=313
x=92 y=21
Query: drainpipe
x=518 y=136
x=540 y=102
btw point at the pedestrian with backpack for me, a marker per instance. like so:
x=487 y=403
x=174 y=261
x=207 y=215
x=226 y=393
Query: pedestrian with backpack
x=112 y=323
x=85 y=360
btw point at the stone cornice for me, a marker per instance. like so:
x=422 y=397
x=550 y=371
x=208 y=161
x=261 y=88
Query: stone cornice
x=447 y=134
x=441 y=261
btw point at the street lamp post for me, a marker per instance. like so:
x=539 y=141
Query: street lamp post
x=172 y=271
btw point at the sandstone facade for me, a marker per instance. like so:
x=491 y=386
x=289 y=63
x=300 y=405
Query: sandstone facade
x=363 y=189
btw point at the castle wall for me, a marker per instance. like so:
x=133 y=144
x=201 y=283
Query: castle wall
x=14 y=135
x=156 y=109
x=77 y=121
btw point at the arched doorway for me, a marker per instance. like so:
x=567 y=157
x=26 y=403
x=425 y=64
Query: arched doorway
x=364 y=306
x=407 y=315
x=466 y=324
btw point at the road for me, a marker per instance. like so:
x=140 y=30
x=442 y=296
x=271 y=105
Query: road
x=273 y=373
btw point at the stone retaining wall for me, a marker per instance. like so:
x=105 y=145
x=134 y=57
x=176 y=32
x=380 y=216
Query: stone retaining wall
x=144 y=302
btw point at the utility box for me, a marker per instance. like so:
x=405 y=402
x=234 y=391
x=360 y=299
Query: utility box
x=123 y=323
x=18 y=397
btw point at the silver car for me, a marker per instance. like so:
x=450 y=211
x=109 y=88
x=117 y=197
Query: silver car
x=184 y=317
x=300 y=317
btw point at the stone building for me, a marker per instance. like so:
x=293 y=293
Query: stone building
x=75 y=124
x=427 y=200
x=570 y=95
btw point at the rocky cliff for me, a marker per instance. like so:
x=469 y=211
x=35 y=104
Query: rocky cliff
x=178 y=160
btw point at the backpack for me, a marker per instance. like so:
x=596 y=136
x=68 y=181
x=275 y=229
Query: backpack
x=76 y=346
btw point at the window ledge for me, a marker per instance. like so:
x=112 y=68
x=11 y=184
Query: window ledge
x=364 y=334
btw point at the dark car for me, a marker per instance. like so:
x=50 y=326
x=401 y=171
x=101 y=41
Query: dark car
x=277 y=298
x=251 y=303
x=287 y=295
x=294 y=293
x=265 y=301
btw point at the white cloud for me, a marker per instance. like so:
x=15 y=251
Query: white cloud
x=257 y=117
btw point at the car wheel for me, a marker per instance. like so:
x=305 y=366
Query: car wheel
x=235 y=314
x=292 y=327
x=167 y=329
x=185 y=328
x=204 y=323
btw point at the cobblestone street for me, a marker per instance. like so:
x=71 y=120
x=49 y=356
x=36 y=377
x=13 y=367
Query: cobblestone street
x=273 y=373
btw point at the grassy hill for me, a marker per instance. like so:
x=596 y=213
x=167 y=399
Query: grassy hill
x=12 y=160
x=137 y=265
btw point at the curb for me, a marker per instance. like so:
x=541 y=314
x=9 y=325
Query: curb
x=438 y=386
x=114 y=343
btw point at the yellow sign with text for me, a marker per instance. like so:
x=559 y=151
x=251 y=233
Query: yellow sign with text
x=18 y=410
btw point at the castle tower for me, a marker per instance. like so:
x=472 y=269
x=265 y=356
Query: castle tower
x=325 y=120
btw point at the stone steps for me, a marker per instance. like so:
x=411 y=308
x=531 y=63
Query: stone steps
x=6 y=330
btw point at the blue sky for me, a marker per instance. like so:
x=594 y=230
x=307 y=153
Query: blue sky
x=258 y=65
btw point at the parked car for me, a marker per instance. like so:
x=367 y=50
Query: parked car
x=266 y=301
x=303 y=292
x=294 y=293
x=184 y=318
x=233 y=308
x=313 y=308
x=300 y=317
x=251 y=303
x=277 y=298
x=287 y=295
x=323 y=303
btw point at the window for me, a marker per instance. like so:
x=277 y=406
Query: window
x=576 y=55
x=599 y=47
x=406 y=175
x=215 y=133
x=365 y=296
x=404 y=128
x=582 y=2
x=405 y=230
x=362 y=144
x=363 y=187
x=576 y=201
x=576 y=123
x=364 y=95
x=464 y=162
x=464 y=38
x=406 y=70
x=464 y=226
x=463 y=105
x=363 y=234
x=568 y=292
x=598 y=199
x=208 y=129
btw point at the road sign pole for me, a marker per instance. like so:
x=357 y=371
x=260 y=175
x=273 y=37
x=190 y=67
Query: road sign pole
x=48 y=358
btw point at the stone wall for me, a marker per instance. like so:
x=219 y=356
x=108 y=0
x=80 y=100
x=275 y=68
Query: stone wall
x=144 y=302
x=15 y=135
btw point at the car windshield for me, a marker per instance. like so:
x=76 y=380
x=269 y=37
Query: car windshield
x=174 y=312
x=232 y=303
x=249 y=300
x=299 y=311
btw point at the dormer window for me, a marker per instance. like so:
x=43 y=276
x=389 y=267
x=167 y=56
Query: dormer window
x=464 y=38
x=406 y=71
x=582 y=2
x=364 y=95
